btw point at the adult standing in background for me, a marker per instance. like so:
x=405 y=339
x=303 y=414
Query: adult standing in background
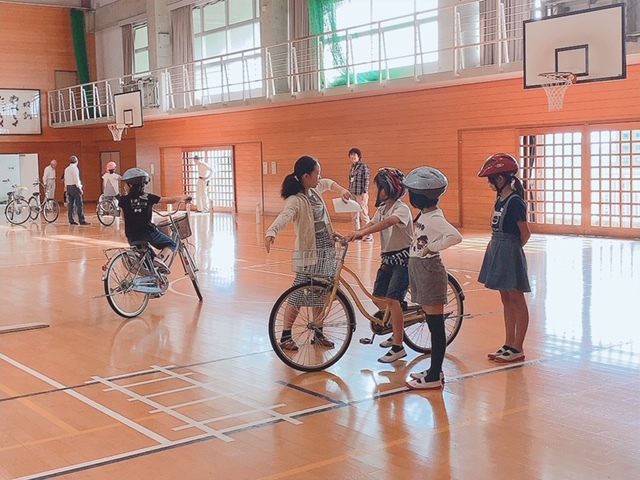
x=359 y=189
x=202 y=196
x=74 y=191
x=49 y=179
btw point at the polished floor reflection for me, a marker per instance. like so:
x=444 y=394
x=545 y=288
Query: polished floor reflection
x=193 y=390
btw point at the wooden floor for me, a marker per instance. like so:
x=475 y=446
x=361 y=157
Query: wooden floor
x=194 y=391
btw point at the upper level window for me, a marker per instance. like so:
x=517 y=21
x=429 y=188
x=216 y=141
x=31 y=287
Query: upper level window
x=372 y=34
x=140 y=49
x=226 y=27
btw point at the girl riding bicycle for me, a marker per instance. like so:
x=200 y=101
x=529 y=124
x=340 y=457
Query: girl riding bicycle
x=137 y=207
x=302 y=191
x=393 y=221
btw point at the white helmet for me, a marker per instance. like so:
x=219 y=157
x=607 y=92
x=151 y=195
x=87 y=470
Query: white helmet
x=427 y=181
x=135 y=176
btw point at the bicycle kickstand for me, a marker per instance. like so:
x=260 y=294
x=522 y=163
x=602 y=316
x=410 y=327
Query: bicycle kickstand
x=367 y=340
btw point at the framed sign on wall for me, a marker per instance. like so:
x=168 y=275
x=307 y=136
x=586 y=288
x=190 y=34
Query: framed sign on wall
x=20 y=112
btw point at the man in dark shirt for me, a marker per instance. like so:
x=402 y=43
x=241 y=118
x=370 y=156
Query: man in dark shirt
x=359 y=189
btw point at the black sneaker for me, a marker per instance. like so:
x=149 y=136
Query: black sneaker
x=73 y=223
x=85 y=223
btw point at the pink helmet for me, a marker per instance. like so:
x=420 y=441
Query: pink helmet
x=110 y=166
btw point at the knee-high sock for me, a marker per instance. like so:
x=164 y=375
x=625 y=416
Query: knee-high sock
x=438 y=343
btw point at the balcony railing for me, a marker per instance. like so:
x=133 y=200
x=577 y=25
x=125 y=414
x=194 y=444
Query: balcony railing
x=469 y=39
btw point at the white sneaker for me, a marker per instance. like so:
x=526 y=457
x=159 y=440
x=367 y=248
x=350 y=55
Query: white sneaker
x=388 y=343
x=423 y=374
x=422 y=384
x=392 y=356
x=161 y=266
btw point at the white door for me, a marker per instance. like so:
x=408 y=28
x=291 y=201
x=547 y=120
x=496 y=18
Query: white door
x=9 y=174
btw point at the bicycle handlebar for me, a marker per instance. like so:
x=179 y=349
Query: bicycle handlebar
x=170 y=214
x=340 y=239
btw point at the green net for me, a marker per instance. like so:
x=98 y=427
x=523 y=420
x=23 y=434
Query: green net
x=322 y=18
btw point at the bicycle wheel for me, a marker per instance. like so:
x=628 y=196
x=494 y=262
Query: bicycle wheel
x=106 y=212
x=416 y=331
x=190 y=268
x=50 y=210
x=17 y=211
x=119 y=278
x=34 y=208
x=338 y=326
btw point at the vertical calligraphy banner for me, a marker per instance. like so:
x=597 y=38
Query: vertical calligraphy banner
x=20 y=112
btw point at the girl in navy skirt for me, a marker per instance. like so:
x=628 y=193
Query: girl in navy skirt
x=504 y=267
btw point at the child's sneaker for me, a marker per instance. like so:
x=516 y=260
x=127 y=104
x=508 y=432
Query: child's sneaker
x=423 y=374
x=161 y=266
x=388 y=343
x=391 y=356
x=510 y=355
x=497 y=353
x=423 y=384
x=289 y=344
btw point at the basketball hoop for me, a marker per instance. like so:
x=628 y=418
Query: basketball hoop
x=555 y=84
x=116 y=130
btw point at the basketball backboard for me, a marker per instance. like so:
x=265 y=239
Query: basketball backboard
x=128 y=107
x=589 y=43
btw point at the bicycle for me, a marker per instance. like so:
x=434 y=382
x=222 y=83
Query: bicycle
x=17 y=210
x=324 y=304
x=48 y=207
x=130 y=276
x=107 y=210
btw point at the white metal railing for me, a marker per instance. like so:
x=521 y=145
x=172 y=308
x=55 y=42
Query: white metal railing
x=467 y=37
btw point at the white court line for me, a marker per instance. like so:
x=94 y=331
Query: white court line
x=122 y=419
x=166 y=410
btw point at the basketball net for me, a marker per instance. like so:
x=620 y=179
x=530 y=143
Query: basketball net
x=555 y=84
x=116 y=130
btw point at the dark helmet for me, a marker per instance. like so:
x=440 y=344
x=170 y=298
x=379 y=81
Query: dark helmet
x=390 y=180
x=427 y=181
x=135 y=176
x=497 y=164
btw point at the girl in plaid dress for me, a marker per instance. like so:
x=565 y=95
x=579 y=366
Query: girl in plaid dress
x=304 y=206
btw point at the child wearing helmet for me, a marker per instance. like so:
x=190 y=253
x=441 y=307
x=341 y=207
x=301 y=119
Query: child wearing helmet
x=427 y=273
x=110 y=182
x=137 y=208
x=393 y=220
x=504 y=267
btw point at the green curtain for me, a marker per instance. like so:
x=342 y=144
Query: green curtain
x=80 y=49
x=322 y=18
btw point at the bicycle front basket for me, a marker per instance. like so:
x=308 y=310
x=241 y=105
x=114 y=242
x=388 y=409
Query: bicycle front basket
x=20 y=193
x=182 y=224
x=322 y=262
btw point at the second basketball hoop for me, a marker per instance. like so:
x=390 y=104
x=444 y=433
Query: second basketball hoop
x=555 y=85
x=116 y=130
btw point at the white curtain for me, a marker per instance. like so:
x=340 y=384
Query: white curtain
x=306 y=48
x=501 y=21
x=182 y=78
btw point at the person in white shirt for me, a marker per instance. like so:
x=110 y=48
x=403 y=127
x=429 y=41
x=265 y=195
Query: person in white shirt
x=74 y=191
x=49 y=179
x=111 y=182
x=427 y=273
x=202 y=196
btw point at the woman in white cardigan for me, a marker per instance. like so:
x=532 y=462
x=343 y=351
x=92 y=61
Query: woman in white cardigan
x=304 y=206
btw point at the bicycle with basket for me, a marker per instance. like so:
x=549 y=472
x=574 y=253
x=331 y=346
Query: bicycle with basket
x=324 y=305
x=21 y=208
x=130 y=276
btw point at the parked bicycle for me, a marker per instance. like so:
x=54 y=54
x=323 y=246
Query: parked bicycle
x=48 y=207
x=324 y=304
x=130 y=276
x=107 y=210
x=19 y=208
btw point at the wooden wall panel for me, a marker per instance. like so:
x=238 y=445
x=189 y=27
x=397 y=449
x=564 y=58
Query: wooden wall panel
x=477 y=198
x=170 y=174
x=248 y=177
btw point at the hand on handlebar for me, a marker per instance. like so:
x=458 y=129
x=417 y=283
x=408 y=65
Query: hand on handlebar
x=351 y=236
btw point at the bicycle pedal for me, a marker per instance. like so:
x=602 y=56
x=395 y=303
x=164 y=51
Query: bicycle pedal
x=366 y=341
